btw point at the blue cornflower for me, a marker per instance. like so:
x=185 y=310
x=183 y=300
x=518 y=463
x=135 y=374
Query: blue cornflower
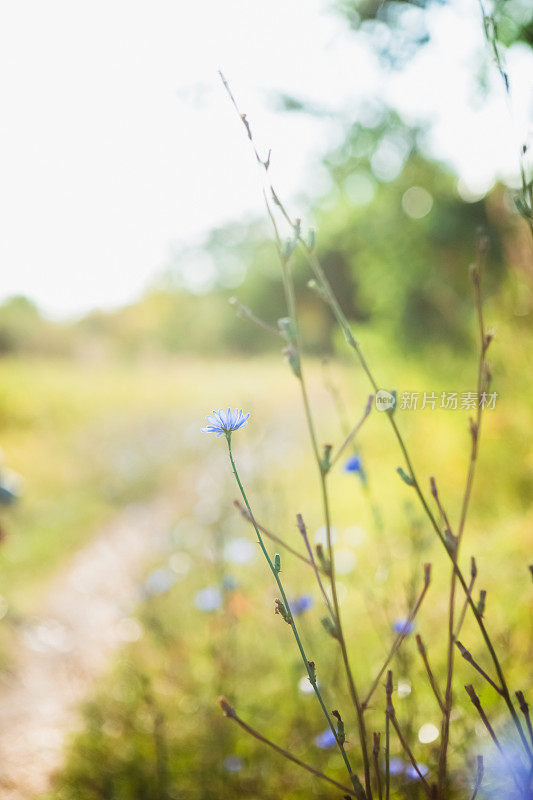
x=301 y=604
x=399 y=767
x=412 y=773
x=403 y=625
x=396 y=766
x=222 y=422
x=354 y=464
x=325 y=740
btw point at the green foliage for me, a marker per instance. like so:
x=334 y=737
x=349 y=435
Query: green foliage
x=399 y=27
x=24 y=330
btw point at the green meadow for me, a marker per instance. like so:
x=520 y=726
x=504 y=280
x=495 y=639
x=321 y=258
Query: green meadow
x=103 y=435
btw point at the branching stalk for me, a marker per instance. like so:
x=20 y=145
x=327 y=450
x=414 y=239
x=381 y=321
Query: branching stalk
x=303 y=530
x=273 y=537
x=401 y=636
x=479 y=708
x=431 y=677
x=230 y=712
x=391 y=715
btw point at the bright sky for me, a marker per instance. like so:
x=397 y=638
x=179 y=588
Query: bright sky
x=118 y=143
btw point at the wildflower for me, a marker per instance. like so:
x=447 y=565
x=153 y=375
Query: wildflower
x=222 y=422
x=325 y=740
x=208 y=599
x=412 y=773
x=354 y=464
x=233 y=763
x=403 y=626
x=396 y=766
x=159 y=582
x=399 y=767
x=301 y=604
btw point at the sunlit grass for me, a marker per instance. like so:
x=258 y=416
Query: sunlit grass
x=188 y=656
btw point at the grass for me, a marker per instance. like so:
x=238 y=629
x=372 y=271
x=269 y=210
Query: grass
x=153 y=729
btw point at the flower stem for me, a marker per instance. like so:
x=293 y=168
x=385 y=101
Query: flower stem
x=232 y=714
x=290 y=619
x=322 y=473
x=345 y=327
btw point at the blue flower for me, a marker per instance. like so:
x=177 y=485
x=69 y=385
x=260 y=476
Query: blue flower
x=412 y=773
x=301 y=604
x=208 y=599
x=399 y=767
x=354 y=464
x=222 y=422
x=325 y=740
x=159 y=582
x=396 y=766
x=403 y=625
x=233 y=763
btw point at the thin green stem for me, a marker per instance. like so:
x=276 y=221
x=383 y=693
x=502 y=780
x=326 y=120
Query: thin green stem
x=343 y=323
x=342 y=641
x=475 y=428
x=401 y=636
x=232 y=714
x=303 y=530
x=290 y=619
x=322 y=473
x=355 y=430
x=278 y=540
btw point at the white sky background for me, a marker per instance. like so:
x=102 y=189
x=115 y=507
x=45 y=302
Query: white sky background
x=117 y=141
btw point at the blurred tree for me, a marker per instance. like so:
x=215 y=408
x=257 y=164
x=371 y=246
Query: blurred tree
x=24 y=330
x=399 y=28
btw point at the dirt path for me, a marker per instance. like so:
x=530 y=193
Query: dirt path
x=84 y=619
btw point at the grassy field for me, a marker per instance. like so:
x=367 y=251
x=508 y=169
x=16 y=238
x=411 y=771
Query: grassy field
x=91 y=439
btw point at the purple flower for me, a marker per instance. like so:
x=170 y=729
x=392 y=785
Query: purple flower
x=354 y=464
x=301 y=604
x=412 y=773
x=399 y=767
x=396 y=766
x=222 y=422
x=403 y=625
x=325 y=740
